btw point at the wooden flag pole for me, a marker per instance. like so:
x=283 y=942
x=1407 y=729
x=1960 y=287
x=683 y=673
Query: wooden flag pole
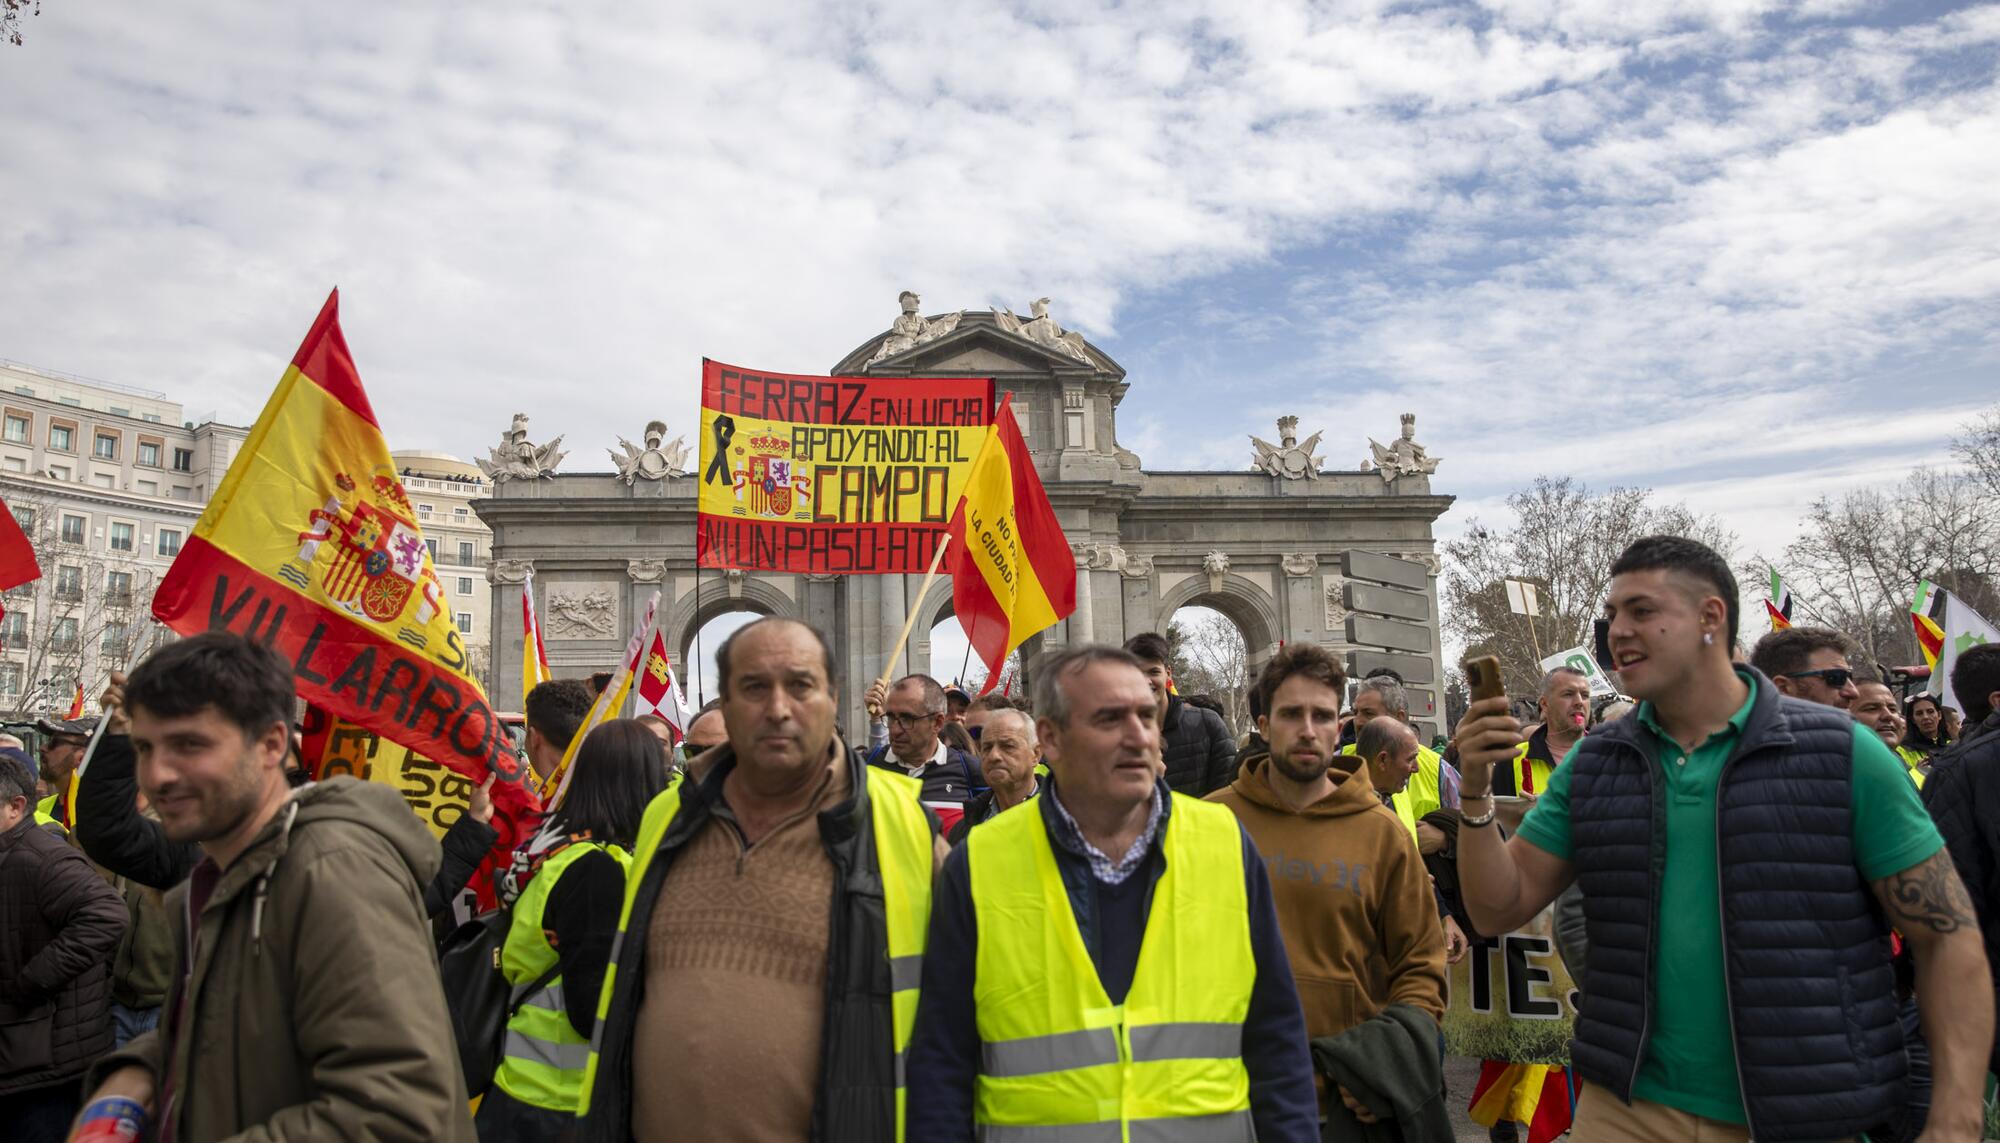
x=910 y=620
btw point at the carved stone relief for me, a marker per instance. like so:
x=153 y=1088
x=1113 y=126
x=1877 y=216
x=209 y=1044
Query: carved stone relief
x=646 y=571
x=578 y=611
x=509 y=571
x=1301 y=564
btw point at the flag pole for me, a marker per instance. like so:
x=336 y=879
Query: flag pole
x=910 y=620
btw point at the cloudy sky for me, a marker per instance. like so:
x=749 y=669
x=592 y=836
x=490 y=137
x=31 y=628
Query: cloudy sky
x=1745 y=253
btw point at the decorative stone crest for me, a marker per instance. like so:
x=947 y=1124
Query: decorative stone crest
x=1301 y=564
x=733 y=578
x=581 y=613
x=911 y=329
x=1403 y=457
x=821 y=577
x=653 y=462
x=516 y=458
x=509 y=571
x=1215 y=565
x=646 y=571
x=1289 y=460
x=1107 y=557
x=1137 y=567
x=1042 y=329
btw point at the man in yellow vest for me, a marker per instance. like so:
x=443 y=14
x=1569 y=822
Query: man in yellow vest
x=1435 y=783
x=1105 y=961
x=764 y=980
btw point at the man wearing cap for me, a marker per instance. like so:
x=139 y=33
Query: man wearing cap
x=63 y=743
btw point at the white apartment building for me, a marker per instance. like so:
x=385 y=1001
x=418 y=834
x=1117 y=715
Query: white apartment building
x=107 y=482
x=441 y=489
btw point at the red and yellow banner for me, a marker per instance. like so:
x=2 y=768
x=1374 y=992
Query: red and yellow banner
x=310 y=545
x=1012 y=573
x=843 y=475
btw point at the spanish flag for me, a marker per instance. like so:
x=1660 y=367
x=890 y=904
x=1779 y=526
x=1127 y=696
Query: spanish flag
x=1537 y=1095
x=75 y=703
x=310 y=545
x=1012 y=573
x=534 y=656
x=1926 y=609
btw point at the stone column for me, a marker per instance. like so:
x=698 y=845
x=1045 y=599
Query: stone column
x=1083 y=623
x=1302 y=615
x=509 y=635
x=1141 y=598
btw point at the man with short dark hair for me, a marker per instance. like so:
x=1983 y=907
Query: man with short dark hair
x=1963 y=796
x=1743 y=855
x=59 y=925
x=765 y=976
x=1040 y=1017
x=273 y=1027
x=1353 y=900
x=555 y=711
x=1200 y=755
x=1808 y=663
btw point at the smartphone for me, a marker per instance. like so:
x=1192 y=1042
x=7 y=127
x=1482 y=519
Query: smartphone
x=1482 y=676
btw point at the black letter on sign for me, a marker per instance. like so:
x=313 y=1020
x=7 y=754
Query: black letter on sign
x=718 y=468
x=1523 y=977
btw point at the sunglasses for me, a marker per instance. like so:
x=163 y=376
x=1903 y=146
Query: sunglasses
x=1835 y=677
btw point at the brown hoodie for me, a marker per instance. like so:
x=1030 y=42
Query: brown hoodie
x=1354 y=904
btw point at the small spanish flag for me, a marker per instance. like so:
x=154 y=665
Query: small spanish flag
x=1537 y=1095
x=1925 y=611
x=76 y=703
x=1012 y=573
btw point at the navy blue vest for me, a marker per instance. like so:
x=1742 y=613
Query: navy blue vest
x=1819 y=1050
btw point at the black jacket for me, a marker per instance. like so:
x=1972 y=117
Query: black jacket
x=957 y=782
x=944 y=1048
x=1200 y=754
x=1963 y=796
x=117 y=836
x=856 y=1098
x=60 y=924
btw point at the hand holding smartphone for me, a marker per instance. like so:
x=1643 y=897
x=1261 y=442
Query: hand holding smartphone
x=1488 y=734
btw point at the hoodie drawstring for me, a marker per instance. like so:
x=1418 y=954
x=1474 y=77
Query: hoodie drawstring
x=264 y=884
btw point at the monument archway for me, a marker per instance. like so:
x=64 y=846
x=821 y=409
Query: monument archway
x=1288 y=547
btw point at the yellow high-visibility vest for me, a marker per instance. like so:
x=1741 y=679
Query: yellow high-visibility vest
x=542 y=1059
x=1424 y=794
x=904 y=855
x=1058 y=1060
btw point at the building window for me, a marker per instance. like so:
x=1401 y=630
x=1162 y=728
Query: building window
x=169 y=542
x=106 y=447
x=459 y=510
x=118 y=589
x=14 y=630
x=149 y=454
x=62 y=438
x=423 y=509
x=1073 y=428
x=72 y=528
x=465 y=585
x=113 y=641
x=69 y=582
x=153 y=418
x=121 y=537
x=183 y=460
x=465 y=623
x=25 y=517
x=433 y=546
x=17 y=429
x=10 y=678
x=63 y=641
x=466 y=558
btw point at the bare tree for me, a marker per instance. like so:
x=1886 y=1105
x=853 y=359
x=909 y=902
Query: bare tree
x=1979 y=448
x=1563 y=540
x=1208 y=656
x=10 y=18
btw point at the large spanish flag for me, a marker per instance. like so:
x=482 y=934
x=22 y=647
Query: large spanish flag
x=310 y=545
x=1012 y=573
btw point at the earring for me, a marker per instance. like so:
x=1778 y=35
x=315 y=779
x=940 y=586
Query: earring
x=1708 y=638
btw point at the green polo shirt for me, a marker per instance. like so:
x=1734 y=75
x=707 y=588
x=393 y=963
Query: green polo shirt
x=1690 y=1060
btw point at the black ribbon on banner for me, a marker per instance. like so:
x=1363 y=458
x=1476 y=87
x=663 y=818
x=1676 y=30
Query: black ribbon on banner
x=718 y=468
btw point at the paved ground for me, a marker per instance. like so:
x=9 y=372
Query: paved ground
x=1459 y=1076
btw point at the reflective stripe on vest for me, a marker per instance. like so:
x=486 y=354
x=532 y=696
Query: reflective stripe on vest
x=904 y=857
x=1059 y=1061
x=542 y=1058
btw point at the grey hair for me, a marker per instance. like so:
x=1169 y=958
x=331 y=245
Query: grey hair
x=1393 y=698
x=1051 y=667
x=929 y=688
x=1549 y=680
x=1380 y=735
x=1027 y=722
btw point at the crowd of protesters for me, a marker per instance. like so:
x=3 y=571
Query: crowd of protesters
x=1089 y=912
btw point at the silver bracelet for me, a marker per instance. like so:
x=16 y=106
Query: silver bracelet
x=1475 y=823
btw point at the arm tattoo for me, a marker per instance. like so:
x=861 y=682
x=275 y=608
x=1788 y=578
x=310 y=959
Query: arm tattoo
x=1928 y=896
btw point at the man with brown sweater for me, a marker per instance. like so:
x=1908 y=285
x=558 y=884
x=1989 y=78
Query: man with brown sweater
x=1354 y=903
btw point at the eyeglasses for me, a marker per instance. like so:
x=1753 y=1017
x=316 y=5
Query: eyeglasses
x=1835 y=677
x=908 y=721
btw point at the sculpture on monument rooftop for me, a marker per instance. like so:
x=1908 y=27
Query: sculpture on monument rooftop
x=912 y=329
x=1042 y=329
x=1403 y=457
x=654 y=462
x=517 y=458
x=1290 y=460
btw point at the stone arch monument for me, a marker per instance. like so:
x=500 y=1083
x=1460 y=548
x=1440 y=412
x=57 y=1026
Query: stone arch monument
x=1285 y=547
